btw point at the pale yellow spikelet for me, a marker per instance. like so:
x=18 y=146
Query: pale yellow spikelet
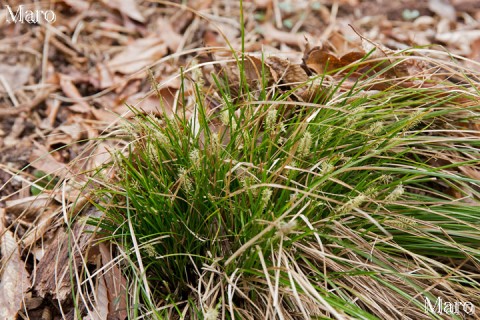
x=194 y=156
x=266 y=195
x=150 y=250
x=271 y=119
x=185 y=179
x=396 y=193
x=353 y=203
x=284 y=228
x=211 y=313
x=305 y=144
x=376 y=127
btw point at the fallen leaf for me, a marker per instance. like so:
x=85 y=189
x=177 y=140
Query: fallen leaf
x=171 y=38
x=53 y=270
x=42 y=160
x=443 y=8
x=475 y=51
x=127 y=7
x=74 y=130
x=14 y=76
x=116 y=285
x=71 y=91
x=42 y=224
x=271 y=33
x=14 y=280
x=100 y=309
x=78 y=5
x=28 y=206
x=470 y=172
x=100 y=156
x=32 y=302
x=256 y=72
x=285 y=71
x=461 y=39
x=163 y=105
x=321 y=61
x=105 y=78
x=137 y=55
x=411 y=68
x=262 y=4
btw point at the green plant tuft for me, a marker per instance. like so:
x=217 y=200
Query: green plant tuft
x=359 y=207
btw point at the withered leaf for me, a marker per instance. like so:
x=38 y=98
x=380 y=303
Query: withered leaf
x=351 y=57
x=15 y=76
x=53 y=270
x=116 y=285
x=127 y=7
x=28 y=206
x=322 y=62
x=138 y=55
x=256 y=70
x=253 y=68
x=14 y=281
x=286 y=71
x=71 y=91
x=271 y=33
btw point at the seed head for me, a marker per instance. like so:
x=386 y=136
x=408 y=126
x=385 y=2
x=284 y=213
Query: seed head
x=266 y=195
x=271 y=119
x=305 y=144
x=396 y=193
x=353 y=203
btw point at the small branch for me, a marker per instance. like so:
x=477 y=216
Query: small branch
x=27 y=106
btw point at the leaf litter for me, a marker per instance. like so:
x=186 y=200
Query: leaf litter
x=63 y=83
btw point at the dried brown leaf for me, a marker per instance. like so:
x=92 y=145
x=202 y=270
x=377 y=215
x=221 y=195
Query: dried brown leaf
x=14 y=280
x=53 y=270
x=256 y=72
x=74 y=130
x=13 y=76
x=262 y=4
x=105 y=78
x=253 y=68
x=137 y=55
x=101 y=155
x=443 y=8
x=42 y=160
x=163 y=105
x=78 y=5
x=171 y=38
x=285 y=71
x=322 y=62
x=71 y=91
x=127 y=7
x=27 y=106
x=313 y=93
x=28 y=206
x=461 y=39
x=273 y=34
x=42 y=224
x=100 y=310
x=411 y=68
x=378 y=50
x=116 y=285
x=470 y=172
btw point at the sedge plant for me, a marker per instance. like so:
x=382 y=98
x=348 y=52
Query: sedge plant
x=358 y=205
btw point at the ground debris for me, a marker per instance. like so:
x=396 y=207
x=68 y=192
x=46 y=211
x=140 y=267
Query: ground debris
x=53 y=270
